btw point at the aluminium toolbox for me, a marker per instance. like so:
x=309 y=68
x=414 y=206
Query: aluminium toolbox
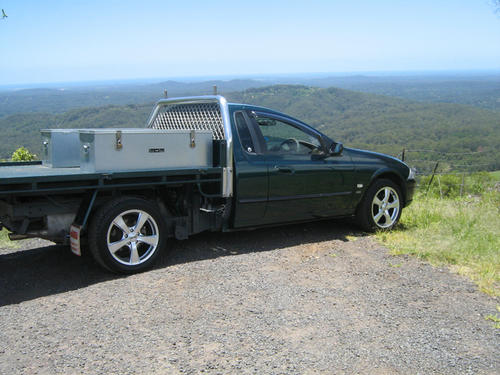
x=113 y=150
x=60 y=148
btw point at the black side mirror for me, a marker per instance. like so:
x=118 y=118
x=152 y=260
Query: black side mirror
x=336 y=149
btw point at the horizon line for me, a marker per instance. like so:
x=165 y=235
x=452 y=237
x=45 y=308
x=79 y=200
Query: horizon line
x=231 y=77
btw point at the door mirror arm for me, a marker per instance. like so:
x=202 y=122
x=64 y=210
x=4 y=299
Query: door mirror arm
x=336 y=149
x=320 y=155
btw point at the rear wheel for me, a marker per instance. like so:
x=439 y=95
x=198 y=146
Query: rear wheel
x=127 y=235
x=380 y=208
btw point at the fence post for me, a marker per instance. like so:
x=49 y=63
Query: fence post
x=432 y=177
x=440 y=190
x=463 y=184
x=403 y=155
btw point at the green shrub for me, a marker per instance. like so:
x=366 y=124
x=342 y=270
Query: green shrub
x=23 y=154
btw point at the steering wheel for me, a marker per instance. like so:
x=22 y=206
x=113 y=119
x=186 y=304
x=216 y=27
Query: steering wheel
x=289 y=143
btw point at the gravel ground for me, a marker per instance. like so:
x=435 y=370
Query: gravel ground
x=304 y=299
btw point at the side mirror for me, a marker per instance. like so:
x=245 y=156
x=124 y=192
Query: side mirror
x=336 y=149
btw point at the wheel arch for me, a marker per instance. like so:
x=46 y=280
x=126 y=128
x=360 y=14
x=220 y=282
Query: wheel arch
x=363 y=212
x=394 y=176
x=151 y=194
x=101 y=221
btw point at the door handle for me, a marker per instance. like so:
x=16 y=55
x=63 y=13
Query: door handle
x=288 y=170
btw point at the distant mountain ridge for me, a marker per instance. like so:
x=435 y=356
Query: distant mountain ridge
x=51 y=100
x=480 y=91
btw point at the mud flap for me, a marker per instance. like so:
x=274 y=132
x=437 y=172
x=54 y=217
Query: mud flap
x=74 y=239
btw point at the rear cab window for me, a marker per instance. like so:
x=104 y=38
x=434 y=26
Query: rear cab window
x=244 y=132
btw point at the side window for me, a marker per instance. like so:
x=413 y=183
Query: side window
x=244 y=132
x=284 y=138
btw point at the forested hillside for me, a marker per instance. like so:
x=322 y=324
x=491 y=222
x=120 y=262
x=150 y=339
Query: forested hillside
x=375 y=122
x=483 y=91
x=59 y=101
x=388 y=124
x=24 y=129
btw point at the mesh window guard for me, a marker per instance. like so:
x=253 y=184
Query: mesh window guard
x=191 y=116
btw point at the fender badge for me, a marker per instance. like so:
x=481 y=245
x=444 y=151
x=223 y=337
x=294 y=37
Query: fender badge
x=156 y=150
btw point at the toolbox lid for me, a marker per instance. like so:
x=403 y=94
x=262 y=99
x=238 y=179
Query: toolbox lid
x=136 y=131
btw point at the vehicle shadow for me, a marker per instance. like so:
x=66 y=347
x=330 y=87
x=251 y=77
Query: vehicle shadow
x=30 y=274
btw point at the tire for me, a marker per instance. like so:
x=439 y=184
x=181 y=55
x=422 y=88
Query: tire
x=126 y=235
x=381 y=206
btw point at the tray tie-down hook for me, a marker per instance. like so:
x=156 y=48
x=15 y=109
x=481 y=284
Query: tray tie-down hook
x=192 y=136
x=119 y=144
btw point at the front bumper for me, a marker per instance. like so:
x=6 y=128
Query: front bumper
x=410 y=191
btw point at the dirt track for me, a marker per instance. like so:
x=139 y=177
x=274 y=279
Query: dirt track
x=300 y=299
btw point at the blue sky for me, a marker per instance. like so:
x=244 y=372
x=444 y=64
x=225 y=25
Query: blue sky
x=50 y=41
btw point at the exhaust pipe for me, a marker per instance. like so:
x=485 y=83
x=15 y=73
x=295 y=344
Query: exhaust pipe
x=17 y=237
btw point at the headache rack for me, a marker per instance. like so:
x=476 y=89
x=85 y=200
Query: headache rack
x=198 y=113
x=194 y=116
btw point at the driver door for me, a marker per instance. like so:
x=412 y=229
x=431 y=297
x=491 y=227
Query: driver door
x=302 y=185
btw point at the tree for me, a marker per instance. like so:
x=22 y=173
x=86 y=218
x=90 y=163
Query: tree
x=23 y=154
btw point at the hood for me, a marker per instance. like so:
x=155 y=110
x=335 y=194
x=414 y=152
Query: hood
x=394 y=162
x=374 y=154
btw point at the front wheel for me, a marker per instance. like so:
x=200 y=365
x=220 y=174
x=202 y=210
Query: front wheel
x=380 y=208
x=126 y=235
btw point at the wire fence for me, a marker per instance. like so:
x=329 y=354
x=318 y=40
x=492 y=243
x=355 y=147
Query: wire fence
x=425 y=161
x=452 y=173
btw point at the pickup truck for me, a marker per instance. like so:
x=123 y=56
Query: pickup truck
x=266 y=168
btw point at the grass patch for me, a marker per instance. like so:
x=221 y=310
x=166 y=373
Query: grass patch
x=463 y=233
x=458 y=185
x=495 y=175
x=4 y=240
x=494 y=318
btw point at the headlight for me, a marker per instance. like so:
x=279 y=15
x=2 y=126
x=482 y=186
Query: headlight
x=411 y=175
